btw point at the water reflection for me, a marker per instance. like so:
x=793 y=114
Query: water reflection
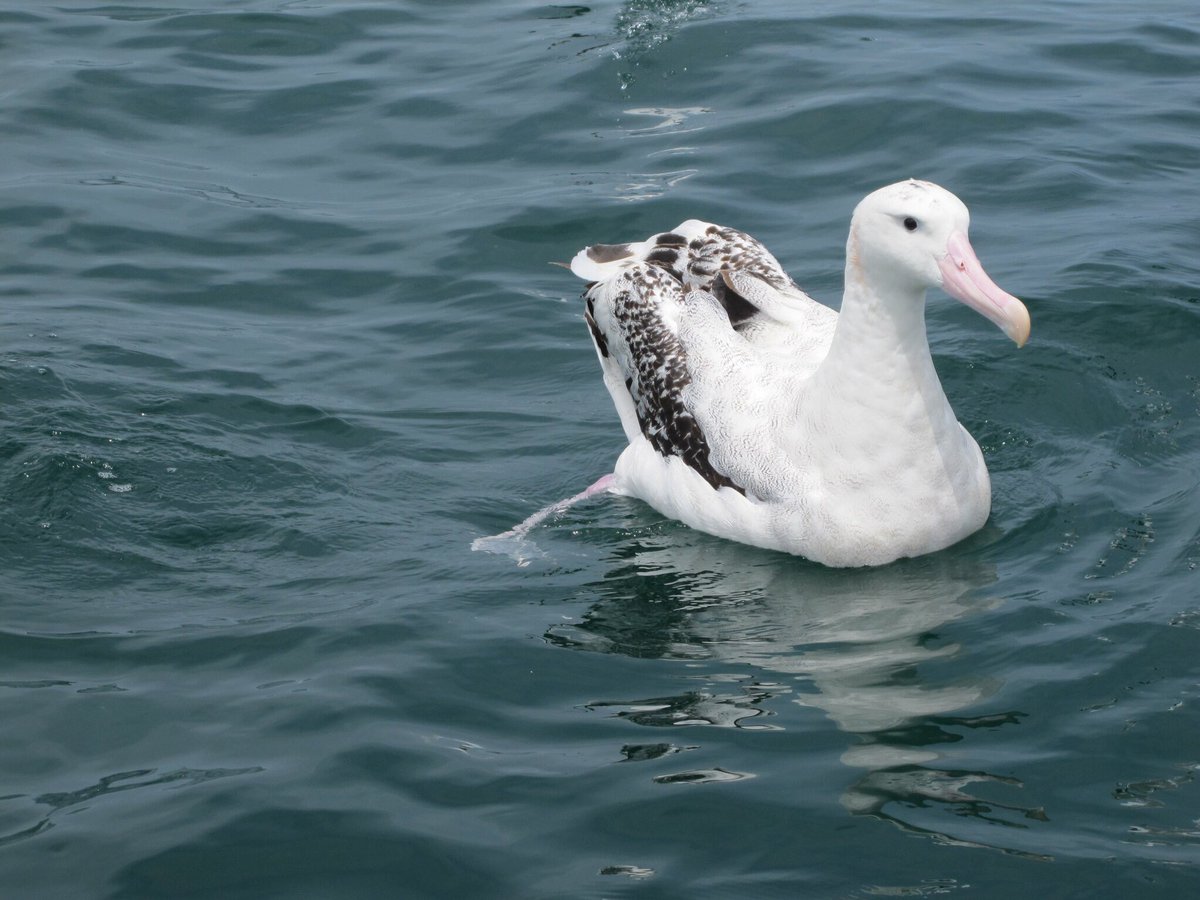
x=867 y=648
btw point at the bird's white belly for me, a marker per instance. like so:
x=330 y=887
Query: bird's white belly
x=902 y=505
x=899 y=511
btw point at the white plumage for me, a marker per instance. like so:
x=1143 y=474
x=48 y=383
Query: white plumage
x=757 y=414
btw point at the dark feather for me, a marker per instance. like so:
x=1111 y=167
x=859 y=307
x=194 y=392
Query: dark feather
x=656 y=372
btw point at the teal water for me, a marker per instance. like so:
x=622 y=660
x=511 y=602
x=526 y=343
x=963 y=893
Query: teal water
x=280 y=340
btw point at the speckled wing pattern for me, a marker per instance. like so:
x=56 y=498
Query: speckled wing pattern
x=636 y=337
x=716 y=250
x=633 y=312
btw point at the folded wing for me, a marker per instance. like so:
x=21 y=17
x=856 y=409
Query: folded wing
x=702 y=338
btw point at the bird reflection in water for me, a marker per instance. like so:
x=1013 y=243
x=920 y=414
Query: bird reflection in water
x=863 y=646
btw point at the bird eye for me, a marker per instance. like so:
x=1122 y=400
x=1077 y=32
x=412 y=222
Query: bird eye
x=910 y=223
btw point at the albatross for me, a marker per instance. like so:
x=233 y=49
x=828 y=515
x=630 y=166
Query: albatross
x=755 y=413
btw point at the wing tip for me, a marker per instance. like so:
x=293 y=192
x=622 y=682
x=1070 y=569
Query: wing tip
x=599 y=262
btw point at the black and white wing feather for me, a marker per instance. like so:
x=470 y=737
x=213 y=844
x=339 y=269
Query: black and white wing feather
x=634 y=320
x=689 y=325
x=748 y=282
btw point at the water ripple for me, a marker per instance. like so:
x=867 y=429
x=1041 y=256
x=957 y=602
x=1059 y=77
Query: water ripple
x=281 y=339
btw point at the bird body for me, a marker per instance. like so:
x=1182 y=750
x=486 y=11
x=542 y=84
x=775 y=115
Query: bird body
x=755 y=413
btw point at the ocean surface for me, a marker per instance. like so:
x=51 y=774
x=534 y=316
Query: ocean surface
x=279 y=339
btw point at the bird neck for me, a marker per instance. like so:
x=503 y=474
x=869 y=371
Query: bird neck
x=881 y=322
x=879 y=358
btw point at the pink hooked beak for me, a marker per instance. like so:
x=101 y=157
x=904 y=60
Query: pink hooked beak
x=963 y=279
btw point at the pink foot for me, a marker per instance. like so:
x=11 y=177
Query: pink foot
x=513 y=543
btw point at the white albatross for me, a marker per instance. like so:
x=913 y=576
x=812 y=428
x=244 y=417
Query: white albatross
x=756 y=414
